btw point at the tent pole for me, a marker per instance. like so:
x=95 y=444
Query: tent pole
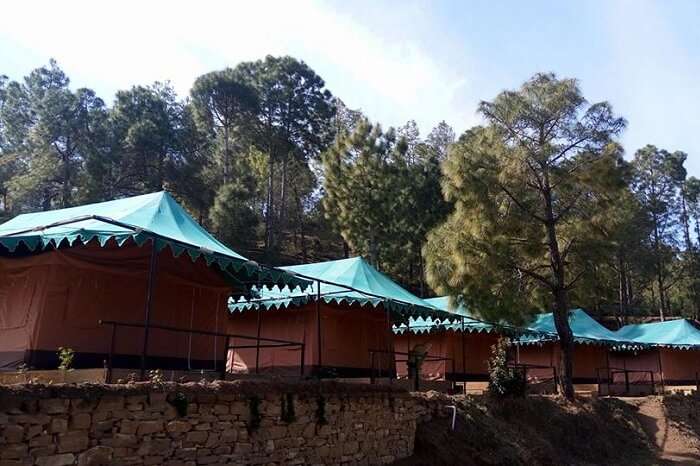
x=388 y=343
x=408 y=345
x=149 y=298
x=257 y=342
x=464 y=364
x=318 y=325
x=608 y=373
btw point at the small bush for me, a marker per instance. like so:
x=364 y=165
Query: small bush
x=505 y=381
x=65 y=358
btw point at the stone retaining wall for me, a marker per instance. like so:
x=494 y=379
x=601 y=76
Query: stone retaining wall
x=199 y=424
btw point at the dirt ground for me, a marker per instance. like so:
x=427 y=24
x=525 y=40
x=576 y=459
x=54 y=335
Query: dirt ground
x=543 y=430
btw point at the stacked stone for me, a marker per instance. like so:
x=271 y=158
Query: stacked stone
x=101 y=425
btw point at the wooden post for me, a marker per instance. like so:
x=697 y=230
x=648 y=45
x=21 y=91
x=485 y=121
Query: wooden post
x=149 y=298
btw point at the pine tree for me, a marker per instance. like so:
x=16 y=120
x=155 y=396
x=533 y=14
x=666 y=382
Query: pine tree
x=518 y=185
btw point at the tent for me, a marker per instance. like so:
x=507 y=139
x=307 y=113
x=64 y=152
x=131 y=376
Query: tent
x=541 y=351
x=344 y=320
x=142 y=261
x=662 y=348
x=462 y=347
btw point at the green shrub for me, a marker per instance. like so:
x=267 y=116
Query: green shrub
x=65 y=358
x=505 y=381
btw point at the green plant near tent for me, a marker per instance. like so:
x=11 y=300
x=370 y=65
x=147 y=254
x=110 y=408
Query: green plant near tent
x=65 y=358
x=504 y=381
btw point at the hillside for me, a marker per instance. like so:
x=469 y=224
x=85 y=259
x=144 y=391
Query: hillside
x=547 y=431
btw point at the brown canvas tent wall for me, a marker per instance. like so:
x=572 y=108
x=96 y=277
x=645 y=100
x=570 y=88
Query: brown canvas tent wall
x=673 y=366
x=348 y=333
x=587 y=358
x=56 y=298
x=469 y=365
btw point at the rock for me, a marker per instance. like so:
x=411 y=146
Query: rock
x=149 y=427
x=73 y=442
x=13 y=433
x=58 y=425
x=80 y=421
x=56 y=460
x=178 y=427
x=96 y=456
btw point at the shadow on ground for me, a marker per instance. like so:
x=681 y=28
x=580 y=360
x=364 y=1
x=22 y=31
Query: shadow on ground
x=536 y=431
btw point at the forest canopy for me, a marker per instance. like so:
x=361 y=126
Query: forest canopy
x=271 y=161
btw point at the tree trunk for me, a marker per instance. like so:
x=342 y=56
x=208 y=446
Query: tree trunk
x=659 y=269
x=302 y=233
x=422 y=275
x=686 y=222
x=560 y=295
x=282 y=216
x=623 y=288
x=270 y=205
x=227 y=157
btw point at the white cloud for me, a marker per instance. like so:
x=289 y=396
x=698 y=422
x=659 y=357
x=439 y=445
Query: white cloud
x=110 y=46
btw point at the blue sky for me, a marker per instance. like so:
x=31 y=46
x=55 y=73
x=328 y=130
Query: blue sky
x=396 y=60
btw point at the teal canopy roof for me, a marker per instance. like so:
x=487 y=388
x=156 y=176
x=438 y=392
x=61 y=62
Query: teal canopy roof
x=586 y=330
x=154 y=216
x=351 y=281
x=429 y=324
x=678 y=333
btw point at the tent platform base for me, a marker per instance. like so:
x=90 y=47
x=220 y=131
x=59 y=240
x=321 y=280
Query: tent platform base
x=53 y=376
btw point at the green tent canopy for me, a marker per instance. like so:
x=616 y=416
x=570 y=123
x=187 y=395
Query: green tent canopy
x=429 y=324
x=586 y=330
x=155 y=216
x=461 y=319
x=680 y=334
x=347 y=281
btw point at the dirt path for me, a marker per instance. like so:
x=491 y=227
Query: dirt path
x=674 y=445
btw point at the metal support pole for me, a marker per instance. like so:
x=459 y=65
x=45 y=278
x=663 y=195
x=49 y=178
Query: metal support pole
x=408 y=349
x=149 y=298
x=388 y=342
x=110 y=361
x=257 y=342
x=319 y=359
x=464 y=357
x=608 y=374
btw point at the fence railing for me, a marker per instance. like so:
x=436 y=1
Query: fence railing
x=229 y=340
x=611 y=372
x=527 y=370
x=391 y=371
